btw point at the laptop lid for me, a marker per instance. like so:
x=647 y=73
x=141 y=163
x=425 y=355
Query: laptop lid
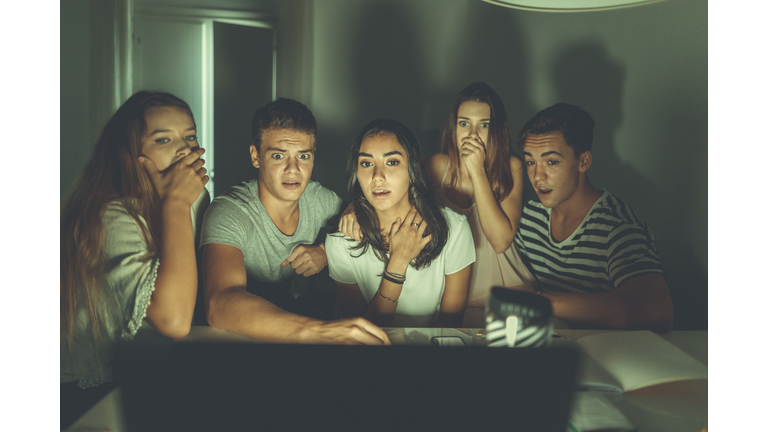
x=225 y=386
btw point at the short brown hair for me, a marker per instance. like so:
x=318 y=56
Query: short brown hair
x=282 y=113
x=573 y=122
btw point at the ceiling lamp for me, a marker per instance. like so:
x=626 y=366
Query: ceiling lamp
x=569 y=5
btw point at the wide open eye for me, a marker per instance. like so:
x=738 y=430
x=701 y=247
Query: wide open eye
x=366 y=164
x=463 y=123
x=305 y=156
x=276 y=156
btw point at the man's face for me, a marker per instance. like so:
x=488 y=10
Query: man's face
x=285 y=163
x=553 y=168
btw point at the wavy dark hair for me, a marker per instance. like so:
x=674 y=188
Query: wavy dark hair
x=419 y=194
x=113 y=173
x=498 y=147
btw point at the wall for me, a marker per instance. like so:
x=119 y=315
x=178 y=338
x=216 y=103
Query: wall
x=641 y=72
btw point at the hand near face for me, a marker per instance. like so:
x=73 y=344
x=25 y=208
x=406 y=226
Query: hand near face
x=348 y=224
x=183 y=181
x=306 y=260
x=472 y=152
x=406 y=239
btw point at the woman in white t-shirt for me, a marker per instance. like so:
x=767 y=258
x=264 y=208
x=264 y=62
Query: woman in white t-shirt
x=411 y=267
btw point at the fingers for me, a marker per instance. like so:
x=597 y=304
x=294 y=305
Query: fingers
x=394 y=228
x=374 y=331
x=295 y=253
x=349 y=227
x=149 y=166
x=193 y=156
x=410 y=216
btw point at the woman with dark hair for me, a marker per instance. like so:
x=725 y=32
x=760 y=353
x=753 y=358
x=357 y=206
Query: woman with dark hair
x=410 y=267
x=478 y=176
x=127 y=242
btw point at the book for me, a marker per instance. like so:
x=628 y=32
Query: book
x=618 y=362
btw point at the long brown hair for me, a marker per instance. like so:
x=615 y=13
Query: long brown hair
x=113 y=173
x=498 y=147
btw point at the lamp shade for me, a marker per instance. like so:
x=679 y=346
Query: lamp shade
x=569 y=5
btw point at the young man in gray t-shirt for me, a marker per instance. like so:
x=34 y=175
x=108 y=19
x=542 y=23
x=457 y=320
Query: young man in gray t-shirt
x=257 y=238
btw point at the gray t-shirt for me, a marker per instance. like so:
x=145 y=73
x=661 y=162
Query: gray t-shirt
x=238 y=218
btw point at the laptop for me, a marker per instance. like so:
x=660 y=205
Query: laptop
x=270 y=387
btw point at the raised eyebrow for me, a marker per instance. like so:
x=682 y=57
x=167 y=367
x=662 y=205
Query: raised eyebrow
x=157 y=131
x=394 y=152
x=482 y=120
x=551 y=153
x=276 y=149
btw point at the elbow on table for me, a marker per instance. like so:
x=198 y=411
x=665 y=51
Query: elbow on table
x=659 y=320
x=211 y=316
x=175 y=329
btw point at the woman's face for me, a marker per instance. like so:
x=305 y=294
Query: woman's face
x=169 y=135
x=382 y=171
x=473 y=121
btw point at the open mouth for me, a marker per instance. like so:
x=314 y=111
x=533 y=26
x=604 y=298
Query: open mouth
x=291 y=184
x=379 y=193
x=542 y=191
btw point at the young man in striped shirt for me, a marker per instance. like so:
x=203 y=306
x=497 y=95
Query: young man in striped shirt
x=594 y=258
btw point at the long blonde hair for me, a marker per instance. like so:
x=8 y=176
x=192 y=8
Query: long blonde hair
x=113 y=173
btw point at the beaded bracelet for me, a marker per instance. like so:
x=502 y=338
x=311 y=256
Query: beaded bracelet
x=390 y=300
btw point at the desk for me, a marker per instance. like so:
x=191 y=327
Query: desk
x=677 y=406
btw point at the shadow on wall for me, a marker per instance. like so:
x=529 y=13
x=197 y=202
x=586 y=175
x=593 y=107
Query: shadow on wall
x=584 y=75
x=490 y=50
x=388 y=82
x=392 y=80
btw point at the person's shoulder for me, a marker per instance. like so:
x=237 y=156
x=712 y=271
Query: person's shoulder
x=610 y=207
x=118 y=211
x=244 y=192
x=438 y=159
x=453 y=218
x=436 y=163
x=314 y=187
x=321 y=198
x=534 y=207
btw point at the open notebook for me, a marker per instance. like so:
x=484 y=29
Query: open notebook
x=226 y=386
x=619 y=362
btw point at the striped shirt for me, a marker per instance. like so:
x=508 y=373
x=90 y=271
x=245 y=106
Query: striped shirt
x=611 y=246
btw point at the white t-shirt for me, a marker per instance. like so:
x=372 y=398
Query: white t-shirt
x=422 y=291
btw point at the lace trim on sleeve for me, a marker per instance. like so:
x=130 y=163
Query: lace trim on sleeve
x=143 y=298
x=93 y=381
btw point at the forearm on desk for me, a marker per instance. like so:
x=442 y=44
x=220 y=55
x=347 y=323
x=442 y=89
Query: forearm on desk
x=236 y=310
x=642 y=302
